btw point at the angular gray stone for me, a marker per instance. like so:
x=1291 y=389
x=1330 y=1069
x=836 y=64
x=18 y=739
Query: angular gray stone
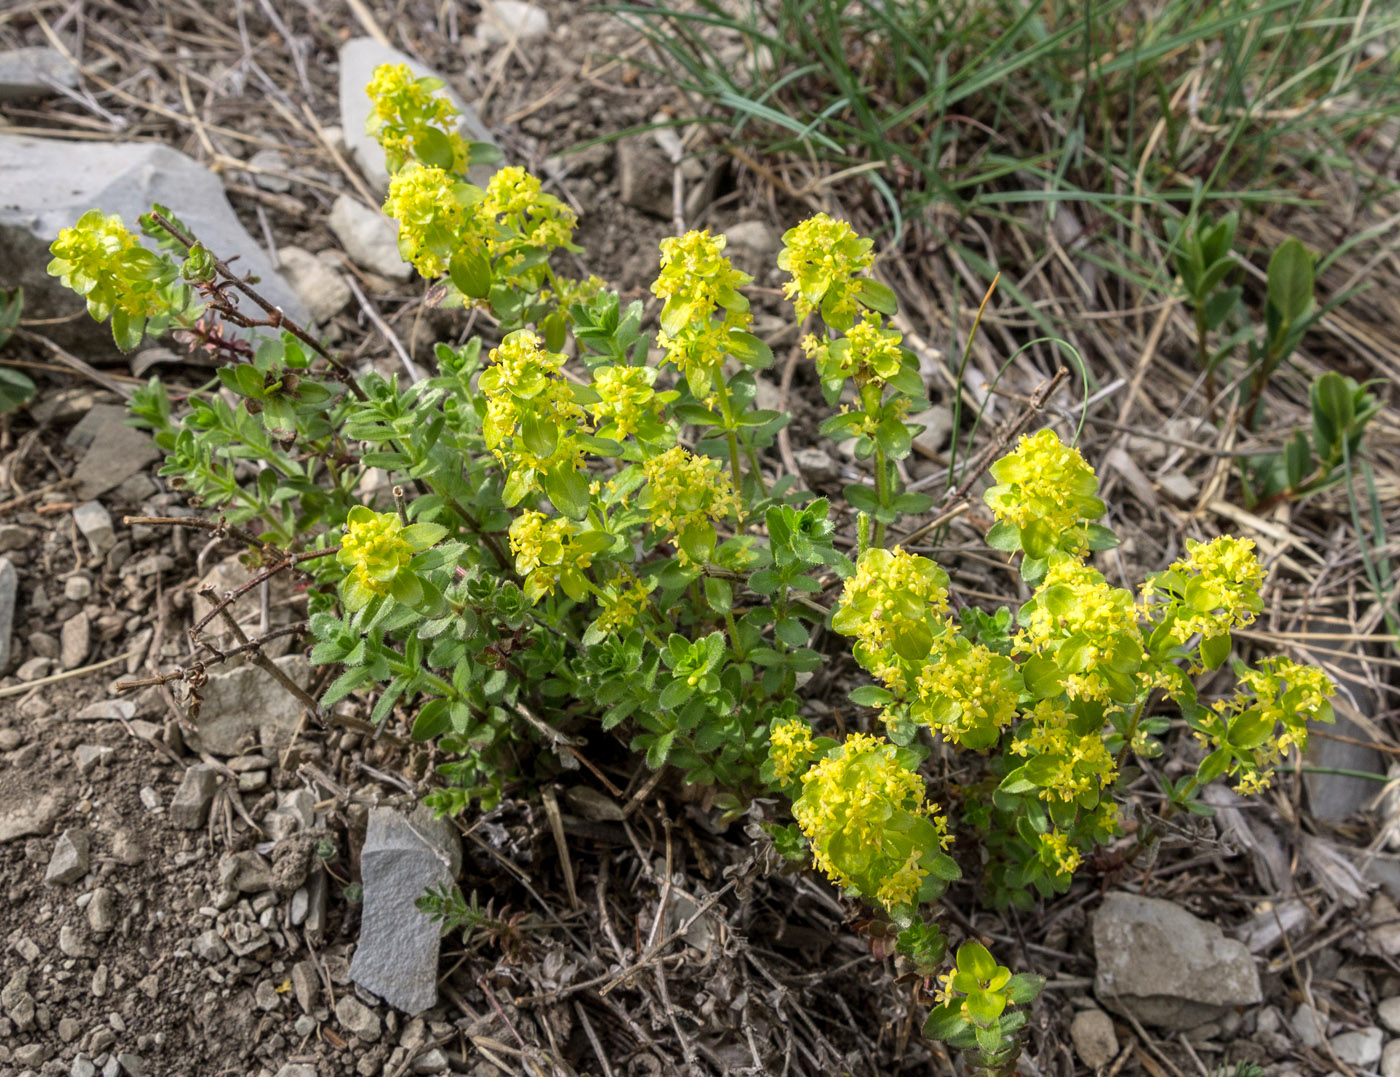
x=434 y=1061
x=90 y=756
x=102 y=911
x=1389 y=1012
x=357 y=1018
x=190 y=807
x=34 y=72
x=112 y=450
x=245 y=702
x=76 y=639
x=1309 y=1026
x=69 y=862
x=27 y=814
x=50 y=183
x=95 y=522
x=321 y=288
x=9 y=596
x=209 y=947
x=297 y=1069
x=1166 y=967
x=369 y=237
x=504 y=21
x=358 y=58
x=398 y=952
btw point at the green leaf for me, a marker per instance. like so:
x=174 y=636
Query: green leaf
x=945 y=1022
x=1213 y=765
x=749 y=350
x=16 y=390
x=555 y=331
x=1023 y=988
x=1290 y=286
x=719 y=595
x=1215 y=650
x=405 y=588
x=878 y=296
x=975 y=958
x=870 y=695
x=471 y=273
x=567 y=489
x=433 y=147
x=862 y=498
x=1335 y=398
x=1005 y=537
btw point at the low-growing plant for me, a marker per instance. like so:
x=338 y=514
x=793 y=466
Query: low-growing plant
x=16 y=387
x=588 y=548
x=1207 y=267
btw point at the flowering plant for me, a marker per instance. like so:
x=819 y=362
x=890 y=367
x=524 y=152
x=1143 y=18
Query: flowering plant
x=590 y=547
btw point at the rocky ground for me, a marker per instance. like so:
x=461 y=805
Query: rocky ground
x=232 y=891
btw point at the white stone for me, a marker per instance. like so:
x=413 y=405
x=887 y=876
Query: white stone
x=1361 y=1048
x=1389 y=1013
x=34 y=72
x=1390 y=1059
x=321 y=288
x=1308 y=1025
x=95 y=522
x=269 y=163
x=755 y=236
x=503 y=21
x=369 y=237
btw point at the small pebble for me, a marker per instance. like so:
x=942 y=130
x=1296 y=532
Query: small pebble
x=150 y=798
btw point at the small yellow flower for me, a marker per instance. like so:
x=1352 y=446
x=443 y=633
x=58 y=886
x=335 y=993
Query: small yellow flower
x=825 y=256
x=433 y=223
x=686 y=491
x=1045 y=483
x=374 y=549
x=791 y=748
x=103 y=262
x=625 y=398
x=410 y=119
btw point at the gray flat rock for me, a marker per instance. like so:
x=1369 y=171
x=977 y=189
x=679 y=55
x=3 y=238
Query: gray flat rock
x=246 y=705
x=9 y=596
x=358 y=58
x=1167 y=967
x=26 y=814
x=36 y=71
x=111 y=451
x=50 y=183
x=403 y=856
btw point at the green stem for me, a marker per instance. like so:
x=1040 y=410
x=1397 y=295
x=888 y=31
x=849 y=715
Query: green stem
x=882 y=492
x=1131 y=732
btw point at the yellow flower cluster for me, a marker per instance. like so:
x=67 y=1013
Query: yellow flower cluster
x=525 y=216
x=895 y=599
x=1217 y=585
x=1090 y=630
x=432 y=219
x=1045 y=482
x=824 y=256
x=1270 y=715
x=868 y=823
x=410 y=119
x=967 y=693
x=544 y=549
x=100 y=260
x=684 y=491
x=626 y=399
x=697 y=281
x=621 y=605
x=1056 y=853
x=1075 y=763
x=532 y=418
x=374 y=549
x=791 y=748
